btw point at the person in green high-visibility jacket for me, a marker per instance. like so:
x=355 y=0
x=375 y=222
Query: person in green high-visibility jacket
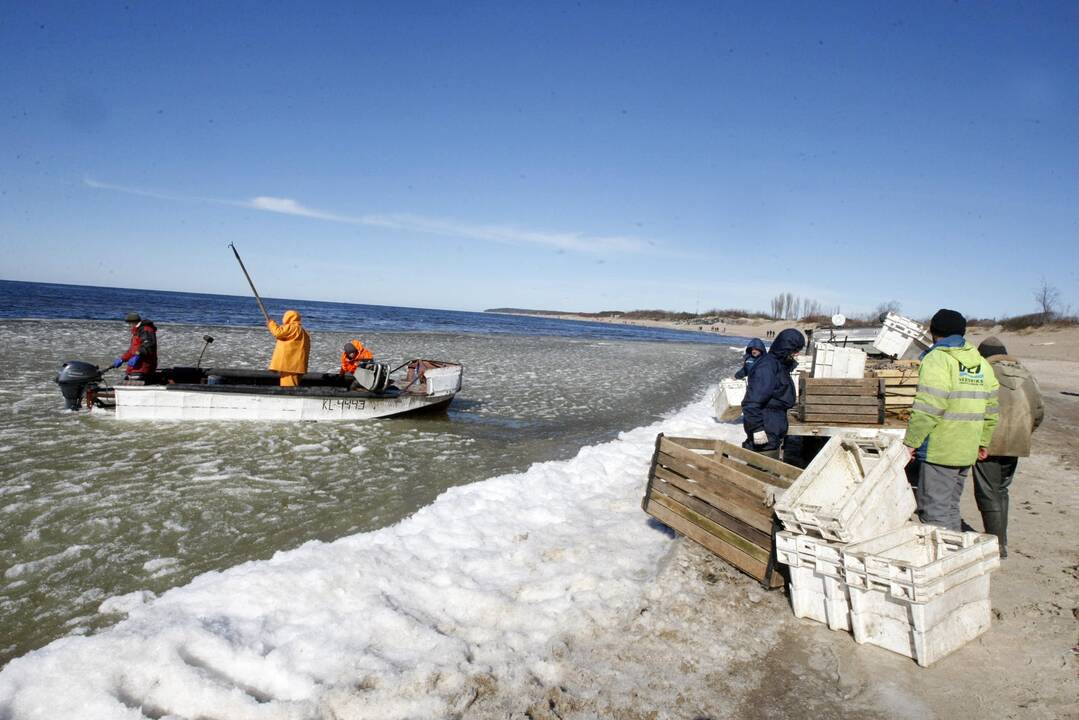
x=952 y=420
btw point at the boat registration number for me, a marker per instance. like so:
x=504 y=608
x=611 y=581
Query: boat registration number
x=343 y=404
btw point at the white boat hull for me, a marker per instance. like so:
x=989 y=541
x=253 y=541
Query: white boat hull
x=160 y=403
x=436 y=387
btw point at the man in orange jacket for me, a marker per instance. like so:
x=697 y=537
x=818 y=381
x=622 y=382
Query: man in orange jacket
x=292 y=349
x=354 y=354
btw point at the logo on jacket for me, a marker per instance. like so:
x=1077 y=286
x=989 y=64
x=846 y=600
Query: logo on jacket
x=971 y=375
x=975 y=370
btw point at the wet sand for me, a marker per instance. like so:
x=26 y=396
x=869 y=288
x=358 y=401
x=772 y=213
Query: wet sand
x=706 y=642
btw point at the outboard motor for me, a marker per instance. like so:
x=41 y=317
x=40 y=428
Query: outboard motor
x=371 y=376
x=73 y=379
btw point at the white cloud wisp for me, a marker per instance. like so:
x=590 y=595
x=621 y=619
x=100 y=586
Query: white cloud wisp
x=504 y=234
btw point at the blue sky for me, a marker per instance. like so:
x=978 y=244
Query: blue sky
x=549 y=155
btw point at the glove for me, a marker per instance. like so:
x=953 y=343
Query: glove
x=133 y=361
x=118 y=362
x=760 y=438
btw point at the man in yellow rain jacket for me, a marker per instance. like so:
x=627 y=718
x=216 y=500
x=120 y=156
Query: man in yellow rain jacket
x=292 y=348
x=952 y=419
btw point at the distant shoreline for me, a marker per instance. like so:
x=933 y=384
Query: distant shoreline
x=736 y=326
x=1045 y=343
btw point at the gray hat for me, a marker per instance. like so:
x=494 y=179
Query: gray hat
x=992 y=346
x=350 y=348
x=132 y=317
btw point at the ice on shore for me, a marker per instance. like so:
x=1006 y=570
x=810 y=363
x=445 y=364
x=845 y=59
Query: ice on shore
x=401 y=622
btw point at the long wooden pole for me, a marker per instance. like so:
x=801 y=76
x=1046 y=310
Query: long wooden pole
x=246 y=275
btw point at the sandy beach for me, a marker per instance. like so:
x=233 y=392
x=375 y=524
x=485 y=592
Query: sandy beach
x=707 y=642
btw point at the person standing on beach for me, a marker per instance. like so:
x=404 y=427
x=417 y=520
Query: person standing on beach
x=770 y=394
x=1021 y=412
x=292 y=349
x=952 y=420
x=141 y=355
x=754 y=351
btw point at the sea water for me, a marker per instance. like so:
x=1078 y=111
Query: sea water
x=92 y=508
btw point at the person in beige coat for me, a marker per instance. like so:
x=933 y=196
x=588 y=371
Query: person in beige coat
x=1021 y=411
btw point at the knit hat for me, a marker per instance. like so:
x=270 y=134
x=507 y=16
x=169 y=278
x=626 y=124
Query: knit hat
x=132 y=317
x=350 y=348
x=947 y=322
x=992 y=346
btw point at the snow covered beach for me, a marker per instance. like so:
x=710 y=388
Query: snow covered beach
x=542 y=592
x=402 y=622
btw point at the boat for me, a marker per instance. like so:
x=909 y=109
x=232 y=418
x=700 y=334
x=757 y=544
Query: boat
x=193 y=393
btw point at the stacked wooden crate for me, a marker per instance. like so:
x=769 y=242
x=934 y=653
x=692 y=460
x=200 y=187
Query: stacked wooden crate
x=841 y=401
x=720 y=496
x=900 y=386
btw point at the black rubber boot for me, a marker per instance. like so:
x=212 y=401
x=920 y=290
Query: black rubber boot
x=1002 y=536
x=995 y=524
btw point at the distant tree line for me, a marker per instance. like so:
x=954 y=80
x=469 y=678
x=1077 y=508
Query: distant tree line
x=1051 y=310
x=790 y=307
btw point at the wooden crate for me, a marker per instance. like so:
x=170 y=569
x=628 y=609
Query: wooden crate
x=900 y=387
x=846 y=401
x=720 y=496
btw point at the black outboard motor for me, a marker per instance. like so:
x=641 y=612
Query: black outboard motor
x=73 y=379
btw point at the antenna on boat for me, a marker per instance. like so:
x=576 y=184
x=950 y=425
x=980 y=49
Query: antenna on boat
x=206 y=340
x=246 y=275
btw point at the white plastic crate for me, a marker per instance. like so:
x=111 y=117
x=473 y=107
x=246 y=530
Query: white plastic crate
x=854 y=489
x=924 y=631
x=817 y=588
x=820 y=597
x=797 y=550
x=919 y=562
x=729 y=396
x=898 y=333
x=805 y=363
x=832 y=361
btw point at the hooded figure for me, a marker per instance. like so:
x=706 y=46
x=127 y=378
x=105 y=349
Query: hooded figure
x=141 y=355
x=751 y=357
x=770 y=394
x=293 y=346
x=354 y=354
x=1021 y=412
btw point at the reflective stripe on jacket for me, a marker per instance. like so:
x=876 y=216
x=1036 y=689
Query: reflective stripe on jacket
x=956 y=409
x=293 y=345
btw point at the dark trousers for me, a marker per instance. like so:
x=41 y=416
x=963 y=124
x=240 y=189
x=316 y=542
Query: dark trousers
x=992 y=478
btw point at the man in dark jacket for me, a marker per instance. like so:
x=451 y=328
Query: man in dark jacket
x=770 y=394
x=1021 y=412
x=754 y=351
x=141 y=355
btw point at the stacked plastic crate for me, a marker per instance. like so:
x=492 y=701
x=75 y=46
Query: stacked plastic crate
x=921 y=591
x=857 y=563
